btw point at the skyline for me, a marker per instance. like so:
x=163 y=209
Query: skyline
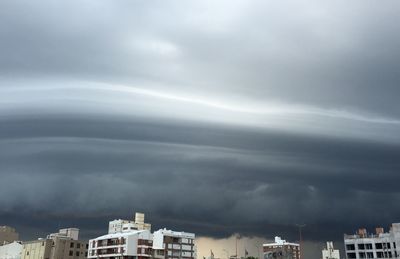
x=213 y=117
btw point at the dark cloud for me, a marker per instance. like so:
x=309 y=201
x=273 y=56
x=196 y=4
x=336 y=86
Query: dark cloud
x=211 y=179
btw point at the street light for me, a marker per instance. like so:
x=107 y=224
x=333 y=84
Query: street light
x=300 y=226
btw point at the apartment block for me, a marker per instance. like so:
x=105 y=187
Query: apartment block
x=379 y=244
x=281 y=249
x=8 y=235
x=130 y=244
x=168 y=244
x=61 y=245
x=330 y=252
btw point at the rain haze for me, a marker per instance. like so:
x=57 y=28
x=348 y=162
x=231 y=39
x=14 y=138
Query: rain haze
x=212 y=117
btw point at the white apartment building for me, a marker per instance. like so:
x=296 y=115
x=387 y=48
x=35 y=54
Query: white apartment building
x=281 y=249
x=129 y=244
x=380 y=244
x=11 y=251
x=329 y=252
x=168 y=244
x=120 y=225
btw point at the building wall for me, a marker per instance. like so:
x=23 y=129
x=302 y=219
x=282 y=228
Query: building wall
x=172 y=245
x=330 y=252
x=38 y=249
x=56 y=248
x=68 y=249
x=128 y=244
x=8 y=235
x=11 y=251
x=377 y=245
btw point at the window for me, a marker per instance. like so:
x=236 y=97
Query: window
x=78 y=245
x=351 y=255
x=370 y=255
x=361 y=247
x=350 y=247
x=361 y=255
x=71 y=253
x=378 y=246
x=71 y=245
x=368 y=246
x=77 y=253
x=379 y=254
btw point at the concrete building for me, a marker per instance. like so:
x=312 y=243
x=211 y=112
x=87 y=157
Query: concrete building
x=380 y=244
x=168 y=244
x=61 y=245
x=11 y=251
x=329 y=252
x=129 y=244
x=8 y=235
x=120 y=225
x=281 y=249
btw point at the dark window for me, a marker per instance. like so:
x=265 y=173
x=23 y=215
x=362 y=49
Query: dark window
x=87 y=246
x=78 y=245
x=351 y=255
x=361 y=255
x=370 y=255
x=71 y=253
x=71 y=245
x=350 y=247
x=368 y=246
x=361 y=246
x=77 y=253
x=379 y=254
x=378 y=246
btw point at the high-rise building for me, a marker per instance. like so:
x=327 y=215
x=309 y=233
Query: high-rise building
x=128 y=244
x=120 y=225
x=329 y=252
x=8 y=235
x=380 y=244
x=61 y=245
x=281 y=249
x=168 y=244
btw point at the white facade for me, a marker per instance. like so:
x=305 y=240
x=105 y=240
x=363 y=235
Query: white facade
x=329 y=252
x=11 y=251
x=377 y=245
x=173 y=244
x=133 y=244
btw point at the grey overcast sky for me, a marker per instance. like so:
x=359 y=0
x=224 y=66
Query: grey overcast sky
x=214 y=117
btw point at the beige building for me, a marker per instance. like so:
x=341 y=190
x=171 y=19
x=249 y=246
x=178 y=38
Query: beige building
x=61 y=245
x=8 y=235
x=123 y=225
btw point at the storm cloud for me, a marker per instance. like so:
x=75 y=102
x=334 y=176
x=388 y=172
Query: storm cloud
x=216 y=118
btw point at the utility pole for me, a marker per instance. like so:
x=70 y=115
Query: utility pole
x=300 y=226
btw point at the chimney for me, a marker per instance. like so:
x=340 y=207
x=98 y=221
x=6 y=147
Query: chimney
x=362 y=232
x=379 y=230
